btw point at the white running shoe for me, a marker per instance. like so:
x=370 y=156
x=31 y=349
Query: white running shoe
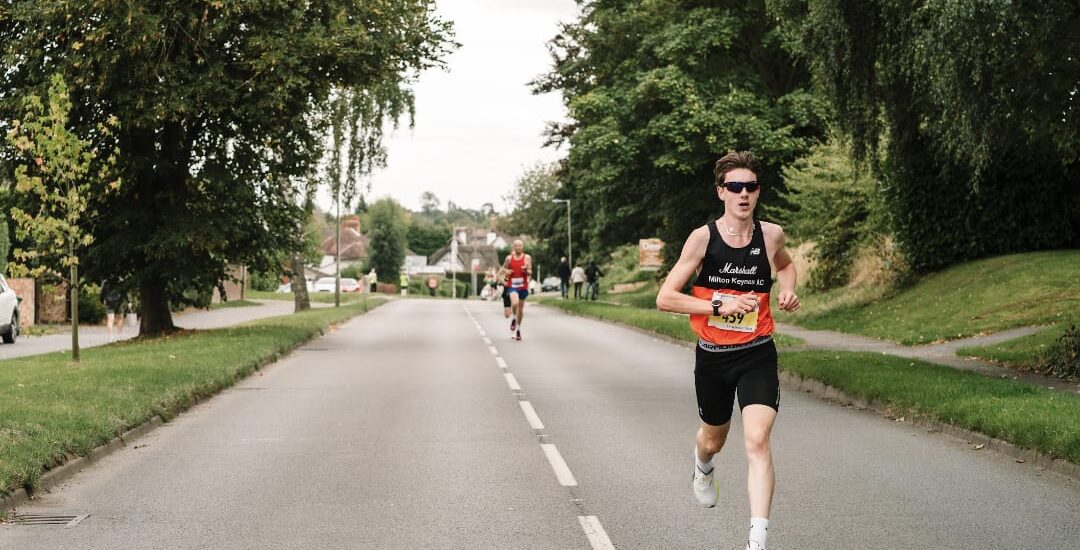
x=751 y=545
x=706 y=490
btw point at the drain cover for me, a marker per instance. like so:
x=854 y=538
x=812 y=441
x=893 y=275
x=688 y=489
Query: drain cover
x=47 y=519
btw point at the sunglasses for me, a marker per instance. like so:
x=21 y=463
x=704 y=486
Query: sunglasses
x=738 y=186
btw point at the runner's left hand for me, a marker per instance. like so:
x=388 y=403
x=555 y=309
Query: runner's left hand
x=788 y=301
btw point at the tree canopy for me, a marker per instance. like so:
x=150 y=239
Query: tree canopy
x=218 y=106
x=972 y=107
x=656 y=92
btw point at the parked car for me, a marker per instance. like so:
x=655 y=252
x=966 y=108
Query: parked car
x=326 y=284
x=550 y=283
x=9 y=313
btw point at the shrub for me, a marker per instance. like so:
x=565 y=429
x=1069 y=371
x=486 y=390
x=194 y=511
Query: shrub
x=1062 y=357
x=267 y=282
x=91 y=310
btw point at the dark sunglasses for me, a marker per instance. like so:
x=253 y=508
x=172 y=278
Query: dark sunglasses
x=738 y=186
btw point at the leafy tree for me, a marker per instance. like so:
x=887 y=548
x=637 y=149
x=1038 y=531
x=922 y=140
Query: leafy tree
x=656 y=92
x=424 y=238
x=533 y=212
x=5 y=245
x=387 y=239
x=219 y=103
x=429 y=202
x=970 y=101
x=58 y=173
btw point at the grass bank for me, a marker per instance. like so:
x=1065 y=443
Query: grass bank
x=234 y=303
x=51 y=408
x=1022 y=414
x=672 y=325
x=986 y=295
x=1022 y=352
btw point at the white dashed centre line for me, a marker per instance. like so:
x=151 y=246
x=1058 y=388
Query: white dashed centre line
x=530 y=415
x=512 y=382
x=562 y=471
x=493 y=350
x=595 y=532
x=501 y=362
x=487 y=340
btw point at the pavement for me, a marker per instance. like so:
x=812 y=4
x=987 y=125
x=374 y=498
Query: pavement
x=97 y=335
x=423 y=425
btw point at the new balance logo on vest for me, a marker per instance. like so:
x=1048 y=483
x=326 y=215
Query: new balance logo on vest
x=755 y=251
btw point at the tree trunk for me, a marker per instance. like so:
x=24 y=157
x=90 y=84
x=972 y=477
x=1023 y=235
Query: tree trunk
x=299 y=283
x=155 y=316
x=75 y=313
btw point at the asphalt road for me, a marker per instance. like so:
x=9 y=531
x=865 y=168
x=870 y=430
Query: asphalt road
x=402 y=429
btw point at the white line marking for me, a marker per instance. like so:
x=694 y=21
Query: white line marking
x=493 y=350
x=482 y=333
x=487 y=340
x=530 y=415
x=562 y=471
x=595 y=532
x=501 y=362
x=512 y=381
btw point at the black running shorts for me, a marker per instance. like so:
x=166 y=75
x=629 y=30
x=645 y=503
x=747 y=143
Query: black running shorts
x=718 y=375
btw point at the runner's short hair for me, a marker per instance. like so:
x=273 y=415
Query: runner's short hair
x=733 y=160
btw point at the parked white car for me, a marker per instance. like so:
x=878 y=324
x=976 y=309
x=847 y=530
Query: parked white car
x=326 y=284
x=9 y=313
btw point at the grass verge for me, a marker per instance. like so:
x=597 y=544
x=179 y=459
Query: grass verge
x=1022 y=414
x=672 y=325
x=234 y=303
x=987 y=295
x=52 y=409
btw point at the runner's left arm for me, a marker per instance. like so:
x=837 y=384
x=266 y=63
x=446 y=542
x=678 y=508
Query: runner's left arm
x=786 y=276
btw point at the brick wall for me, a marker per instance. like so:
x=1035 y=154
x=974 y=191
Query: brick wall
x=52 y=303
x=24 y=288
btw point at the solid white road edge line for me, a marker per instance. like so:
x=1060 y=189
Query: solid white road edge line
x=562 y=471
x=530 y=415
x=512 y=382
x=595 y=532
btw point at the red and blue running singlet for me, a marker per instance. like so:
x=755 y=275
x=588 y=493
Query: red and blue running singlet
x=517 y=277
x=728 y=272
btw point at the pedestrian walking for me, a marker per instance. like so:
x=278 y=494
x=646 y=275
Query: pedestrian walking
x=592 y=275
x=577 y=276
x=564 y=276
x=114 y=298
x=734 y=257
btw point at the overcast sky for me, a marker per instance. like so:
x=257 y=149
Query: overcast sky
x=477 y=123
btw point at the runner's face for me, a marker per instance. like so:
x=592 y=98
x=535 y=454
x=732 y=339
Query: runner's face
x=518 y=247
x=739 y=205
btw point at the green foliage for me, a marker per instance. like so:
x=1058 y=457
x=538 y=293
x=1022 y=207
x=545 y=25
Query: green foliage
x=976 y=100
x=387 y=239
x=835 y=205
x=533 y=213
x=267 y=282
x=56 y=172
x=91 y=309
x=1062 y=357
x=424 y=237
x=656 y=92
x=224 y=108
x=352 y=272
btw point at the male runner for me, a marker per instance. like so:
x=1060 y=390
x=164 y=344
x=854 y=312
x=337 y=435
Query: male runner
x=735 y=257
x=518 y=266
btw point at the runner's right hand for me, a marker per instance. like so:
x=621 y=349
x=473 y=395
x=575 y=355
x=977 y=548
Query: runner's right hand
x=743 y=303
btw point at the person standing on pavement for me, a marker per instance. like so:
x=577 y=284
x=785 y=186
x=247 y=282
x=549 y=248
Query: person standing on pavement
x=593 y=274
x=564 y=276
x=734 y=258
x=577 y=276
x=518 y=266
